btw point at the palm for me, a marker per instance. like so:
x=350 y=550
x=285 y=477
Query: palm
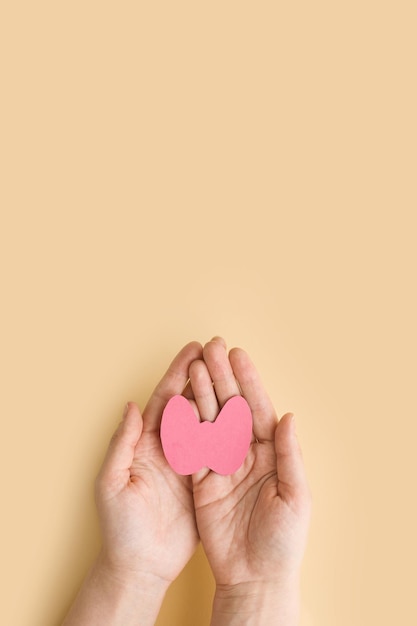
x=233 y=512
x=162 y=501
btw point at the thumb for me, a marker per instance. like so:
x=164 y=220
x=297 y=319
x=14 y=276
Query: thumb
x=122 y=446
x=292 y=481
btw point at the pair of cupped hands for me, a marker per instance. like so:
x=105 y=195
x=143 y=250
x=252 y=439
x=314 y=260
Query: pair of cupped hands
x=253 y=524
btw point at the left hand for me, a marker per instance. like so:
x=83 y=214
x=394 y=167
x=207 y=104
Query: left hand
x=253 y=524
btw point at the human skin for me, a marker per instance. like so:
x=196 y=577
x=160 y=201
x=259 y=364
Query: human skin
x=253 y=524
x=146 y=514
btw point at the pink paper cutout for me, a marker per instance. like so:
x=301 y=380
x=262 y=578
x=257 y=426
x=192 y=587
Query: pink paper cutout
x=190 y=445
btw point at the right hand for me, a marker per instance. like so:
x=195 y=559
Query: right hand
x=146 y=510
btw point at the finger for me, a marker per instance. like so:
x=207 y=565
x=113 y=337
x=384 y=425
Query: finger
x=264 y=416
x=220 y=370
x=292 y=481
x=203 y=391
x=219 y=340
x=188 y=391
x=115 y=471
x=172 y=383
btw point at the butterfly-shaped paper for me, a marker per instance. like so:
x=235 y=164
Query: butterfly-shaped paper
x=190 y=445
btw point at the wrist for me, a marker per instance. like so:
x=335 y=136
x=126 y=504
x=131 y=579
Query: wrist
x=113 y=597
x=257 y=603
x=125 y=578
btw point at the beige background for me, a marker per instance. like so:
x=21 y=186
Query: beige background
x=175 y=170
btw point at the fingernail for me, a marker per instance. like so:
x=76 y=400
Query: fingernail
x=219 y=339
x=126 y=410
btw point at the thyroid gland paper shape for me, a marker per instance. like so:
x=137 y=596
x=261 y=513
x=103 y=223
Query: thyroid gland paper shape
x=190 y=445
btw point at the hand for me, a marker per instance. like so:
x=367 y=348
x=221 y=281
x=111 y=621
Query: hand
x=146 y=510
x=253 y=524
x=146 y=514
